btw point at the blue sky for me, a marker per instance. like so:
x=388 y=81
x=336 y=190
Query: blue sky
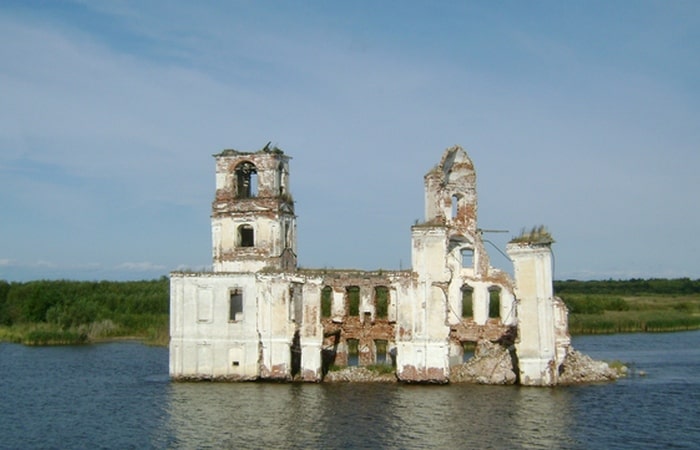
x=583 y=116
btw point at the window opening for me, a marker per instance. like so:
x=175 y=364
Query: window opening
x=455 y=206
x=468 y=348
x=247 y=180
x=381 y=346
x=494 y=301
x=467 y=301
x=236 y=305
x=326 y=301
x=353 y=359
x=280 y=178
x=246 y=236
x=381 y=301
x=353 y=299
x=296 y=306
x=286 y=235
x=467 y=258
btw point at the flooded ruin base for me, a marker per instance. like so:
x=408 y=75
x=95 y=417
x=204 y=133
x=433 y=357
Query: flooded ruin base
x=257 y=316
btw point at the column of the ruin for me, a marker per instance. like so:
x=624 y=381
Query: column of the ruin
x=536 y=343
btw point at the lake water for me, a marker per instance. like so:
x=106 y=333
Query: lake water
x=118 y=395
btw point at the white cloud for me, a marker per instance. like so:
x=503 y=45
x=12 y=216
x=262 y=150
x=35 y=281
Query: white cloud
x=143 y=266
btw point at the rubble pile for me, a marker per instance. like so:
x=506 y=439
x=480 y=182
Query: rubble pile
x=359 y=375
x=578 y=368
x=492 y=364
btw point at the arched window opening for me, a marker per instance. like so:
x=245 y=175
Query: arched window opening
x=494 y=301
x=280 y=179
x=246 y=236
x=455 y=206
x=286 y=238
x=246 y=180
x=326 y=301
x=381 y=301
x=467 y=301
x=467 y=258
x=352 y=297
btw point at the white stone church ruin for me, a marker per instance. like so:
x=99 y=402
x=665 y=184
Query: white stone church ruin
x=257 y=316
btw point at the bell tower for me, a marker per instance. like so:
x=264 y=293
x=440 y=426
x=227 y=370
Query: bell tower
x=449 y=234
x=253 y=222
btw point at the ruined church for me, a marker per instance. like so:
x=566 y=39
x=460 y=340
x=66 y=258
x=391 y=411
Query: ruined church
x=257 y=316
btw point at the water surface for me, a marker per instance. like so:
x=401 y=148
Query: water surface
x=118 y=395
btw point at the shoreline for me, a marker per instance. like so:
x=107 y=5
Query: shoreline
x=51 y=337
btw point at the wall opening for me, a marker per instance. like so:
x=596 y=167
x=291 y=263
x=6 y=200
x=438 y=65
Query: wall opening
x=352 y=298
x=381 y=302
x=326 y=301
x=235 y=312
x=296 y=303
x=382 y=349
x=467 y=301
x=295 y=349
x=468 y=348
x=246 y=180
x=494 y=301
x=467 y=258
x=282 y=179
x=455 y=206
x=246 y=236
x=353 y=358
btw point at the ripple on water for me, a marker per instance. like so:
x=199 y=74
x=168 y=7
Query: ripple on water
x=119 y=396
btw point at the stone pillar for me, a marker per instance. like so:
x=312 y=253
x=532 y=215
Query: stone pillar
x=311 y=333
x=536 y=345
x=507 y=308
x=480 y=303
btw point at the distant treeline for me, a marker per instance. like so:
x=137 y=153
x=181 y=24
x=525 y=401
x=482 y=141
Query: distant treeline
x=634 y=286
x=84 y=310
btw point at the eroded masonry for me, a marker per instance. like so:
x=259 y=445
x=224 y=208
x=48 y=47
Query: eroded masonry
x=258 y=316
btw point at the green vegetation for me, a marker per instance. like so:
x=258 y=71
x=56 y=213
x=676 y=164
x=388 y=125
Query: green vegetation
x=326 y=301
x=353 y=301
x=536 y=235
x=381 y=368
x=75 y=312
x=494 y=302
x=467 y=302
x=382 y=301
x=617 y=306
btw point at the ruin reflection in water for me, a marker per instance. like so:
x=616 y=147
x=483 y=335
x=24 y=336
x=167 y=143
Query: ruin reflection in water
x=118 y=395
x=368 y=415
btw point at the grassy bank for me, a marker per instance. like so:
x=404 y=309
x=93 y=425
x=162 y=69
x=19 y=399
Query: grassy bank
x=626 y=306
x=644 y=314
x=76 y=312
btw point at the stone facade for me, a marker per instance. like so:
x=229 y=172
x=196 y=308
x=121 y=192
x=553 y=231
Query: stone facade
x=258 y=316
